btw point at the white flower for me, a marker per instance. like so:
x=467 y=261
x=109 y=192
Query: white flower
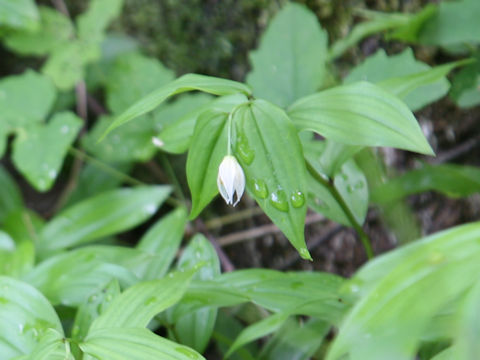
x=230 y=180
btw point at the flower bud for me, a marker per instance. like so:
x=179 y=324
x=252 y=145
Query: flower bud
x=230 y=180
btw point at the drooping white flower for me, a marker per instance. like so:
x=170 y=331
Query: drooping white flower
x=230 y=180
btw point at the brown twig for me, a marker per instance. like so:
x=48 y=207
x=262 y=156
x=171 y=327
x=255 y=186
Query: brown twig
x=456 y=151
x=233 y=217
x=261 y=231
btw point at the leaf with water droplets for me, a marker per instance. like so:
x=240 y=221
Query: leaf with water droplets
x=39 y=150
x=272 y=159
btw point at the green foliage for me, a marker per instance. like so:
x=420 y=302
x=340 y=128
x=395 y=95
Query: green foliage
x=19 y=14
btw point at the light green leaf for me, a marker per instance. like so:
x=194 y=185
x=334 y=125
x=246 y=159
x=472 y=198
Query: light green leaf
x=15 y=259
x=140 y=303
x=436 y=269
x=379 y=67
x=10 y=196
x=163 y=238
x=100 y=216
x=183 y=84
x=209 y=146
x=290 y=62
x=25 y=316
x=39 y=150
x=55 y=30
x=269 y=150
x=93 y=23
x=19 y=14
x=360 y=114
x=86 y=271
x=52 y=346
x=134 y=343
x=296 y=341
x=195 y=329
x=24 y=99
x=455 y=22
x=449 y=179
x=176 y=136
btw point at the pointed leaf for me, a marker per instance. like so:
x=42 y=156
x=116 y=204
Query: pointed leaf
x=268 y=148
x=360 y=114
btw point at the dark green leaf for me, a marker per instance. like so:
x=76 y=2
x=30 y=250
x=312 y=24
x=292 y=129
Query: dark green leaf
x=360 y=114
x=209 y=146
x=290 y=62
x=10 y=196
x=269 y=150
x=100 y=216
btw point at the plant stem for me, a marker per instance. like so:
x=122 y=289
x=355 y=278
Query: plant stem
x=172 y=177
x=341 y=201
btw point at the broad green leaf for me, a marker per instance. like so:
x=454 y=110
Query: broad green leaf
x=208 y=147
x=163 y=238
x=140 y=303
x=19 y=14
x=23 y=225
x=455 y=22
x=10 y=196
x=269 y=150
x=25 y=99
x=128 y=343
x=335 y=155
x=86 y=271
x=466 y=83
x=55 y=30
x=15 y=259
x=25 y=315
x=39 y=150
x=52 y=346
x=66 y=64
x=176 y=136
x=93 y=23
x=435 y=269
x=100 y=216
x=449 y=179
x=258 y=330
x=272 y=290
x=188 y=82
x=379 y=67
x=96 y=305
x=290 y=62
x=295 y=341
x=447 y=354
x=360 y=114
x=195 y=329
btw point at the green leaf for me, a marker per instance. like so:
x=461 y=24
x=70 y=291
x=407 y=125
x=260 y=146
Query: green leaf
x=55 y=30
x=19 y=14
x=164 y=239
x=176 y=137
x=443 y=28
x=39 y=150
x=449 y=179
x=188 y=82
x=100 y=216
x=360 y=114
x=25 y=99
x=195 y=329
x=10 y=196
x=93 y=23
x=140 y=303
x=209 y=146
x=25 y=315
x=296 y=341
x=466 y=83
x=269 y=150
x=95 y=306
x=134 y=343
x=52 y=346
x=86 y=271
x=15 y=259
x=379 y=67
x=436 y=269
x=290 y=62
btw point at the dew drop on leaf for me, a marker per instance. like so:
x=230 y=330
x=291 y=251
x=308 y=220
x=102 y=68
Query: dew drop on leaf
x=297 y=199
x=259 y=188
x=279 y=200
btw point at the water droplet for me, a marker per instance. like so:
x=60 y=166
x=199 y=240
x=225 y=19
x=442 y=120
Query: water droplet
x=297 y=199
x=259 y=188
x=64 y=129
x=150 y=208
x=279 y=200
x=157 y=142
x=359 y=185
x=244 y=151
x=52 y=174
x=92 y=298
x=151 y=301
x=350 y=189
x=436 y=258
x=109 y=298
x=344 y=176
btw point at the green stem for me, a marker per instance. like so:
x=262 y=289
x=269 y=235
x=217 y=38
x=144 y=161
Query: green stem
x=341 y=201
x=173 y=178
